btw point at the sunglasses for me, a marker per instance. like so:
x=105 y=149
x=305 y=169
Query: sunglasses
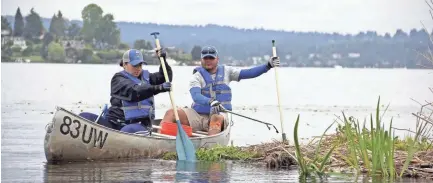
x=209 y=51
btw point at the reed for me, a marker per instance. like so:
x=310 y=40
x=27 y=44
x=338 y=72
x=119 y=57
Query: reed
x=421 y=139
x=315 y=166
x=374 y=148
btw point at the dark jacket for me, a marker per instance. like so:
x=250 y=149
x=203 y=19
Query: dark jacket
x=123 y=88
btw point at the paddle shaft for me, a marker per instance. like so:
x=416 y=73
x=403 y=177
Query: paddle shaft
x=184 y=147
x=274 y=53
x=102 y=113
x=176 y=115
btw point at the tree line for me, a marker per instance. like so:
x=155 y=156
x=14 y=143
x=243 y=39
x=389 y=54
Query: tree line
x=104 y=38
x=95 y=40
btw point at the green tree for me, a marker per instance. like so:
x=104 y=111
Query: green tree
x=56 y=52
x=53 y=24
x=108 y=55
x=96 y=59
x=48 y=38
x=28 y=51
x=142 y=44
x=60 y=28
x=86 y=55
x=400 y=34
x=19 y=24
x=107 y=31
x=99 y=28
x=149 y=45
x=73 y=30
x=91 y=15
x=123 y=46
x=196 y=53
x=16 y=49
x=58 y=25
x=29 y=43
x=6 y=53
x=33 y=28
x=6 y=25
x=37 y=49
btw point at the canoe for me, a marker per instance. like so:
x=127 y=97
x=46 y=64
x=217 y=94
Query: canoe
x=70 y=137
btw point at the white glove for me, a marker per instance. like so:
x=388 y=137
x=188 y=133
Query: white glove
x=274 y=62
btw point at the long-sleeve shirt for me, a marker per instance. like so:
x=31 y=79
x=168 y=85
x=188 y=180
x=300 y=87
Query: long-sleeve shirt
x=230 y=74
x=122 y=88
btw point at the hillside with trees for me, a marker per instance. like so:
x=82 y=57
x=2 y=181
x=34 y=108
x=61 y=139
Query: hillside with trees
x=103 y=39
x=95 y=39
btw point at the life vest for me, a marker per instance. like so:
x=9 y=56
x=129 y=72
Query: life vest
x=142 y=109
x=215 y=89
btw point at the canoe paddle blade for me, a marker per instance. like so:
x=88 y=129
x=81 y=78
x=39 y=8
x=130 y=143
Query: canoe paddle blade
x=184 y=147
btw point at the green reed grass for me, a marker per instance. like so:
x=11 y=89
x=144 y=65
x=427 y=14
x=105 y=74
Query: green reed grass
x=375 y=148
x=309 y=167
x=407 y=142
x=366 y=150
x=423 y=128
x=218 y=153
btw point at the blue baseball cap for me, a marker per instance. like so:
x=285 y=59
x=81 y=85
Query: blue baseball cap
x=209 y=51
x=133 y=56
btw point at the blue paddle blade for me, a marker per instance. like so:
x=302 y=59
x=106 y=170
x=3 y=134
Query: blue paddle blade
x=184 y=147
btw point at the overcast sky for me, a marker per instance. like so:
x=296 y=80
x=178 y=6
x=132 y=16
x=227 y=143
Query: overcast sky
x=343 y=16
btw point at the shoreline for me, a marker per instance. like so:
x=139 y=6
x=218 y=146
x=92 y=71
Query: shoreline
x=279 y=155
x=247 y=66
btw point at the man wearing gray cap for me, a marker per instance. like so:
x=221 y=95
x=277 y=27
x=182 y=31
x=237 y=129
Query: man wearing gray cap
x=211 y=93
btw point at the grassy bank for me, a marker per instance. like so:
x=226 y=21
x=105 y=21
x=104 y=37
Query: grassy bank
x=369 y=148
x=33 y=58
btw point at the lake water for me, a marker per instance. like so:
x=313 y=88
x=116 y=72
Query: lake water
x=30 y=93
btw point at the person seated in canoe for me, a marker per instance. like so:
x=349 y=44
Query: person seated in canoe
x=132 y=94
x=211 y=93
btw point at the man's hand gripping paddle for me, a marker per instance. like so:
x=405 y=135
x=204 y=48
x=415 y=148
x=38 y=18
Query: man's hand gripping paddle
x=184 y=147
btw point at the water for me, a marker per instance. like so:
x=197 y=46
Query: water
x=31 y=91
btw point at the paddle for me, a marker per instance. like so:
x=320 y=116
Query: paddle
x=184 y=147
x=102 y=113
x=274 y=54
x=267 y=124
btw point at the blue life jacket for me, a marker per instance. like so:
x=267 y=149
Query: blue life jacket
x=142 y=109
x=215 y=89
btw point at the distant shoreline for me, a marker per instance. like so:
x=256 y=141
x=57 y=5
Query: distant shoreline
x=56 y=63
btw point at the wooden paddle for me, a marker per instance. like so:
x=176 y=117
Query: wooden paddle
x=184 y=147
x=274 y=54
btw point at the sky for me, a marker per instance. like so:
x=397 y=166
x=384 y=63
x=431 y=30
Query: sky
x=342 y=16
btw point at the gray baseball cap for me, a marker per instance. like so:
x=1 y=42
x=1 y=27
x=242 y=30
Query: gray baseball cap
x=209 y=51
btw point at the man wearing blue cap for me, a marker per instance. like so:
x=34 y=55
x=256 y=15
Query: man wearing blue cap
x=132 y=90
x=211 y=93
